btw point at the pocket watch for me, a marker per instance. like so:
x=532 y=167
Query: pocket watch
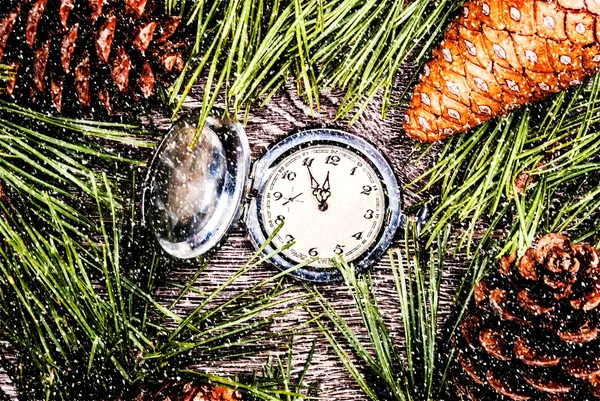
x=316 y=196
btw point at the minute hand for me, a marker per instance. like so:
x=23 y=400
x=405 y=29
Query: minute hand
x=325 y=193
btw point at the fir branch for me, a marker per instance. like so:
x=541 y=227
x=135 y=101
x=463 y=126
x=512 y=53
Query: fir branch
x=385 y=372
x=277 y=378
x=79 y=323
x=248 y=49
x=47 y=163
x=535 y=170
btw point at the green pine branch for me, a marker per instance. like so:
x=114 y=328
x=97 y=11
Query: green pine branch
x=85 y=327
x=383 y=369
x=46 y=163
x=75 y=291
x=249 y=49
x=418 y=367
x=277 y=377
x=532 y=172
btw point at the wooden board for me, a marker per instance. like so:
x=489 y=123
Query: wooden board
x=284 y=114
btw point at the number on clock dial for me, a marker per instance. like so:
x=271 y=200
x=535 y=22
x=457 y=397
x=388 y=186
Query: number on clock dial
x=352 y=220
x=333 y=160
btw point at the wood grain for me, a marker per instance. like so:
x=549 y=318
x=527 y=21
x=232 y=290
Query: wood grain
x=284 y=114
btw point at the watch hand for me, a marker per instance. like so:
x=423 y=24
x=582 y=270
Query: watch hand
x=290 y=200
x=313 y=183
x=325 y=194
x=326 y=184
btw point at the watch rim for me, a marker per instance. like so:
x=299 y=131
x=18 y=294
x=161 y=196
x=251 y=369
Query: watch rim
x=264 y=168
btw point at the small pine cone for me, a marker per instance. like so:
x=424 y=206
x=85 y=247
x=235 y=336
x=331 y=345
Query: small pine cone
x=532 y=329
x=77 y=54
x=190 y=391
x=500 y=55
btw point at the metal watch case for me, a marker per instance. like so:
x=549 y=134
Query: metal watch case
x=193 y=196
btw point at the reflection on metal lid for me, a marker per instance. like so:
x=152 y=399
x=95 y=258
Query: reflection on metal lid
x=192 y=194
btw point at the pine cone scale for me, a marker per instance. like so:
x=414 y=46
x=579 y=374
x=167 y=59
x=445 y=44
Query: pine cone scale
x=82 y=81
x=33 y=19
x=506 y=54
x=68 y=47
x=533 y=307
x=143 y=36
x=594 y=384
x=6 y=28
x=546 y=384
x=105 y=37
x=146 y=81
x=533 y=357
x=514 y=391
x=528 y=321
x=583 y=369
x=96 y=7
x=64 y=10
x=56 y=89
x=136 y=6
x=120 y=70
x=39 y=68
x=494 y=344
x=190 y=391
x=469 y=366
x=584 y=334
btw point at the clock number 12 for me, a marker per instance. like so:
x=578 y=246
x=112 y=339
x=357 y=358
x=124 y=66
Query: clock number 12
x=333 y=160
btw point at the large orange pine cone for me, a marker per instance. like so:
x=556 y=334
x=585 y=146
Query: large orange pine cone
x=499 y=55
x=532 y=330
x=76 y=54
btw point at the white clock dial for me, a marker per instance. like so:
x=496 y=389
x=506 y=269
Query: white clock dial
x=331 y=200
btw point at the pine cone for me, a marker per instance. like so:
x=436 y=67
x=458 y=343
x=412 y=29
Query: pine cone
x=499 y=55
x=532 y=330
x=75 y=54
x=189 y=391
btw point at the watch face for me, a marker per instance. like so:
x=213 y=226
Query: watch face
x=320 y=195
x=331 y=202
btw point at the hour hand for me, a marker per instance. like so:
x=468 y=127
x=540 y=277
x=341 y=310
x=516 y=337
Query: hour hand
x=314 y=184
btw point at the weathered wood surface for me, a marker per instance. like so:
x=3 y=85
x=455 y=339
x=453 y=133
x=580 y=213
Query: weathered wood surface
x=287 y=113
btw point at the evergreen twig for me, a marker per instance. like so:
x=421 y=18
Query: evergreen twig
x=535 y=171
x=419 y=372
x=79 y=323
x=248 y=49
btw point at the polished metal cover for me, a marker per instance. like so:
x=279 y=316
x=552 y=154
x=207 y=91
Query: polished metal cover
x=193 y=194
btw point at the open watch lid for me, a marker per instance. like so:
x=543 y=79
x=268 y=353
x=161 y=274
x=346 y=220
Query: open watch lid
x=193 y=193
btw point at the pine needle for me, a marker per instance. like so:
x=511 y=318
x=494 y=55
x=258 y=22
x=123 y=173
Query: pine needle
x=418 y=373
x=535 y=170
x=356 y=45
x=80 y=325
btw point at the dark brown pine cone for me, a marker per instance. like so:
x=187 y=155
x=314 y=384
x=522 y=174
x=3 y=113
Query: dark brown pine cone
x=74 y=55
x=532 y=330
